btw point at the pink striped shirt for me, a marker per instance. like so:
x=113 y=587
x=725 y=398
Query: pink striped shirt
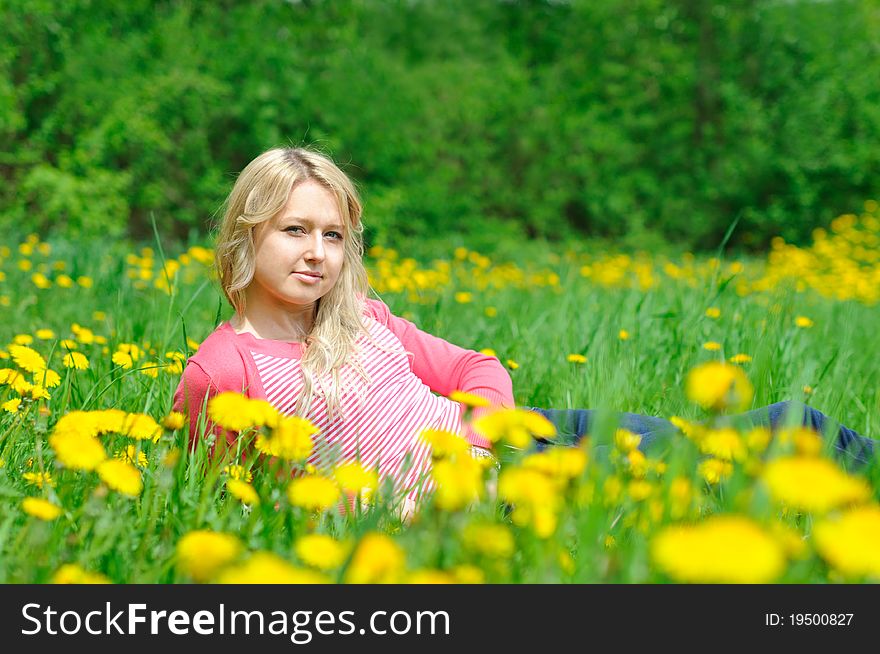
x=379 y=421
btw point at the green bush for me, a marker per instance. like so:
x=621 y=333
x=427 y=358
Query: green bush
x=612 y=119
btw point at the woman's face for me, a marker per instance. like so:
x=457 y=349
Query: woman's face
x=299 y=252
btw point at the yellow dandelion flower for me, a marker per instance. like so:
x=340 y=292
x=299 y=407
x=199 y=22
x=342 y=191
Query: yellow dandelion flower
x=38 y=479
x=321 y=551
x=22 y=386
x=291 y=439
x=811 y=484
x=84 y=281
x=740 y=358
x=75 y=360
x=534 y=496
x=268 y=568
x=122 y=360
x=712 y=346
x=758 y=439
x=68 y=344
x=173 y=368
x=463 y=297
x=238 y=472
x=23 y=339
x=45 y=334
x=489 y=352
x=576 y=358
x=40 y=508
x=27 y=358
x=243 y=491
x=72 y=573
x=353 y=477
x=563 y=463
x=12 y=405
x=64 y=281
x=109 y=421
x=121 y=477
x=491 y=312
x=264 y=414
x=722 y=549
x=713 y=312
x=849 y=541
x=9 y=376
x=714 y=470
x=468 y=574
x=131 y=349
x=639 y=489
x=469 y=399
x=808 y=390
x=623 y=335
x=515 y=426
x=444 y=444
x=691 y=430
x=806 y=441
x=513 y=365
x=626 y=441
x=174 y=421
x=40 y=280
x=459 y=483
x=637 y=463
x=717 y=386
x=492 y=540
x=76 y=450
x=724 y=443
x=377 y=559
x=47 y=378
x=803 y=322
x=313 y=492
x=140 y=426
x=201 y=553
x=231 y=411
x=150 y=369
x=84 y=335
x=424 y=577
x=37 y=392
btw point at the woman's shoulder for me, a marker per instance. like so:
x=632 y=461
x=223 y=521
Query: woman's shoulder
x=377 y=310
x=217 y=355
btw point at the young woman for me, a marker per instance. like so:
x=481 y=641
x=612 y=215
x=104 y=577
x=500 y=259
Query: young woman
x=306 y=338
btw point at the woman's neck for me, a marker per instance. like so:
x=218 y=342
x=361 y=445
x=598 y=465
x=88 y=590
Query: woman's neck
x=289 y=324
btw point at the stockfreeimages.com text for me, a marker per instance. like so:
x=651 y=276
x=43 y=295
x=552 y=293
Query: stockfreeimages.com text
x=300 y=626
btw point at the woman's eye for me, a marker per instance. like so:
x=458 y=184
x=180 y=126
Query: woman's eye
x=293 y=228
x=335 y=235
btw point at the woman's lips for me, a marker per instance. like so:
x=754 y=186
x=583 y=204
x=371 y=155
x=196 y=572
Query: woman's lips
x=307 y=278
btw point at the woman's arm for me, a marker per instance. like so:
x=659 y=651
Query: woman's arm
x=193 y=392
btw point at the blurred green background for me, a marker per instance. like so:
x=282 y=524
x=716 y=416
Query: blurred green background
x=639 y=121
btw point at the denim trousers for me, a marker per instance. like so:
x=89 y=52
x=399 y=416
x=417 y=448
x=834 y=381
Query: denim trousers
x=574 y=424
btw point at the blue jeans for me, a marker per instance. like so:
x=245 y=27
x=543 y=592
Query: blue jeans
x=573 y=424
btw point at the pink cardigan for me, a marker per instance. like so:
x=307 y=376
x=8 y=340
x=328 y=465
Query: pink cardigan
x=224 y=362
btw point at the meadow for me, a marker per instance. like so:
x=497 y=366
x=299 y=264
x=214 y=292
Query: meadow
x=97 y=483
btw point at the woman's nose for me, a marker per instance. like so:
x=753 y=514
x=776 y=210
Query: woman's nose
x=316 y=248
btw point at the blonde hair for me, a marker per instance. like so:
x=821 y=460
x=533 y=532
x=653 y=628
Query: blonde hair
x=260 y=192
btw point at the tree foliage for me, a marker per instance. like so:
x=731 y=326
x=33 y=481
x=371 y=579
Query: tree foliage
x=610 y=118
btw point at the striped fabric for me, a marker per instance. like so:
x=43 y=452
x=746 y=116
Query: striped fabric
x=379 y=422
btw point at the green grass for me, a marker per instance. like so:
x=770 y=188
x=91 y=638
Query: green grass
x=537 y=326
